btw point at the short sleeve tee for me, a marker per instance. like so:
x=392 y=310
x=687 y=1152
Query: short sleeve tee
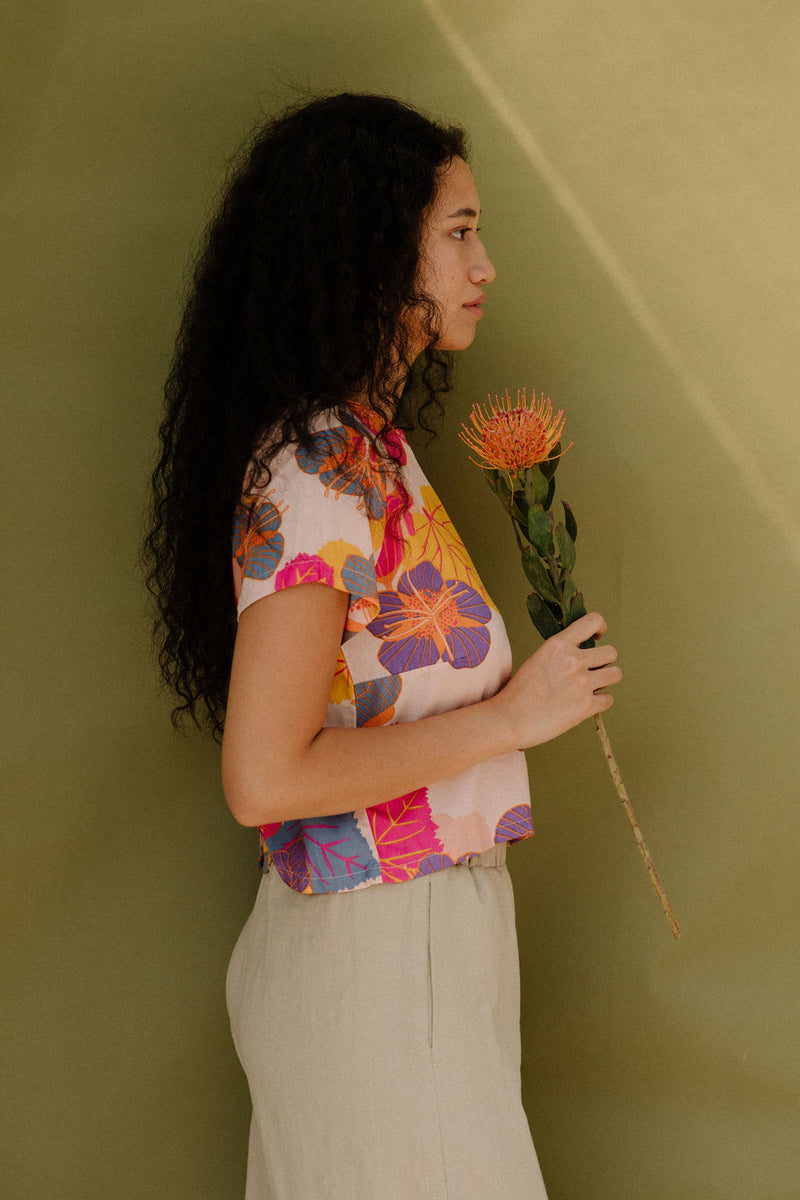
x=421 y=636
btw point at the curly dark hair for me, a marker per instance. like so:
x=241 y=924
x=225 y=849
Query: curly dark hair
x=296 y=306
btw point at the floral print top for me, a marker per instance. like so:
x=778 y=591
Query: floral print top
x=421 y=636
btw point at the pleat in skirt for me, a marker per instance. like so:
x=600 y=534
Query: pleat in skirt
x=379 y=1031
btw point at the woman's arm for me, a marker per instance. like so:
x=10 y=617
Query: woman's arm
x=278 y=762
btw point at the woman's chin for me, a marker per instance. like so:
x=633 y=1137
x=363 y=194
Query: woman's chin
x=460 y=341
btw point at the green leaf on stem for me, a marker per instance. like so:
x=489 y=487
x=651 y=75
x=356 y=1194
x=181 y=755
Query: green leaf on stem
x=540 y=530
x=548 y=466
x=569 y=521
x=511 y=493
x=542 y=617
x=520 y=510
x=536 y=486
x=539 y=576
x=566 y=548
x=575 y=605
x=500 y=486
x=569 y=590
x=577 y=609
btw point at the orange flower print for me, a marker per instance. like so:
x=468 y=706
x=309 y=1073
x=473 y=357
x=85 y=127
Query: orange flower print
x=347 y=462
x=257 y=543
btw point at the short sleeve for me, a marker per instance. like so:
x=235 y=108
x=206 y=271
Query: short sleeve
x=314 y=522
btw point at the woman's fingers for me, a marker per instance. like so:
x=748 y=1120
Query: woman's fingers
x=592 y=625
x=561 y=684
x=605 y=677
x=599 y=656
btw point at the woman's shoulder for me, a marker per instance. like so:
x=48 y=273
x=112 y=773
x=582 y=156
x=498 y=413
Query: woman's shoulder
x=349 y=449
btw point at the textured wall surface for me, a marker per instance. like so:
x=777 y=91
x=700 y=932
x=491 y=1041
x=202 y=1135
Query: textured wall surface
x=638 y=169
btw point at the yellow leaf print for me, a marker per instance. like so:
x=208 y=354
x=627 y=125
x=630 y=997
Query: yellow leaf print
x=355 y=574
x=342 y=689
x=435 y=539
x=336 y=555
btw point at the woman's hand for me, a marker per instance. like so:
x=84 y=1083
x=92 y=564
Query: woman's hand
x=559 y=686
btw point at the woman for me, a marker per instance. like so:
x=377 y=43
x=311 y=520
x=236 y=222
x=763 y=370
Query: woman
x=372 y=728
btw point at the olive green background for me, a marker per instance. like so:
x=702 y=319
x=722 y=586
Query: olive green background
x=638 y=166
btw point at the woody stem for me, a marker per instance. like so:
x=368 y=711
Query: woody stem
x=634 y=824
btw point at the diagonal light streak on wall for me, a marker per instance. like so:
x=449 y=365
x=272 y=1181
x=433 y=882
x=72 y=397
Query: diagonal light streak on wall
x=769 y=501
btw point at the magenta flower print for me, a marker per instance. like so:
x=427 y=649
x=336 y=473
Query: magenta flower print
x=399 y=527
x=364 y=419
x=404 y=834
x=394 y=442
x=304 y=568
x=429 y=619
x=257 y=543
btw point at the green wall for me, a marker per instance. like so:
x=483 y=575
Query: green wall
x=638 y=168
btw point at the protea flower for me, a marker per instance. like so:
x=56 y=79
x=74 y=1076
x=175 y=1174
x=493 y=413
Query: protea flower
x=513 y=439
x=524 y=442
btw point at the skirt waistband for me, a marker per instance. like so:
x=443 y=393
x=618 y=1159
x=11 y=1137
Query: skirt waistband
x=495 y=856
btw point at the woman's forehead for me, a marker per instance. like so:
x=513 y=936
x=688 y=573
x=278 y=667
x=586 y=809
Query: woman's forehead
x=456 y=195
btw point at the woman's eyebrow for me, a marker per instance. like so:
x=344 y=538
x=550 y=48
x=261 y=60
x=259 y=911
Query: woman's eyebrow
x=462 y=212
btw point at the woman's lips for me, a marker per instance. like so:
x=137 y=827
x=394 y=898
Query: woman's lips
x=474 y=306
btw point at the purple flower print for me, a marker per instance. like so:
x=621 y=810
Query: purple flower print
x=434 y=862
x=514 y=824
x=428 y=619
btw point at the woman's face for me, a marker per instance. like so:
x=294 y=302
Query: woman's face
x=454 y=266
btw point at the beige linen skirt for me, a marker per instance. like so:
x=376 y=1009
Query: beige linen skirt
x=379 y=1030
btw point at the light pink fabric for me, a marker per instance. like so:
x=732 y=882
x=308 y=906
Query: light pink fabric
x=422 y=637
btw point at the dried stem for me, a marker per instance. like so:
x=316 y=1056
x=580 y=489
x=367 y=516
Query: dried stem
x=634 y=824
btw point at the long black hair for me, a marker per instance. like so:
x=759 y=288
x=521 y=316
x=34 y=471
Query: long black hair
x=296 y=305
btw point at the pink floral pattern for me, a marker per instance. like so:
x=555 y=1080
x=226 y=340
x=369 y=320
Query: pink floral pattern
x=304 y=568
x=404 y=834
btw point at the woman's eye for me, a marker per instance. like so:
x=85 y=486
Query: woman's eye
x=462 y=233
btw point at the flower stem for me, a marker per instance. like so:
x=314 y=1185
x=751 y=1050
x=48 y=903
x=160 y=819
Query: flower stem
x=634 y=824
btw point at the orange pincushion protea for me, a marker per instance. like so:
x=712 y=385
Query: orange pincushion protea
x=520 y=440
x=513 y=438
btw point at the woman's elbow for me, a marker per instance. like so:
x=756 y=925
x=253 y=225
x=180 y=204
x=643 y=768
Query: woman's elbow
x=250 y=800
x=243 y=810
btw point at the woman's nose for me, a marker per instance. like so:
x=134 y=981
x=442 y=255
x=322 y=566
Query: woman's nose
x=482 y=270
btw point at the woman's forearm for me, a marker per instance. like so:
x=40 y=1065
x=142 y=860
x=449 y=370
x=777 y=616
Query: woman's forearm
x=348 y=769
x=280 y=761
